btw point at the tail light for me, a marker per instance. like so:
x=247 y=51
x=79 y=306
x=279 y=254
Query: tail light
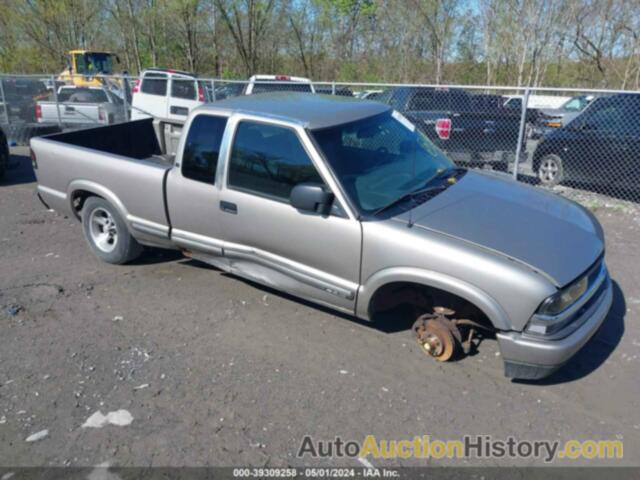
x=136 y=86
x=34 y=161
x=101 y=115
x=283 y=78
x=38 y=112
x=200 y=93
x=443 y=128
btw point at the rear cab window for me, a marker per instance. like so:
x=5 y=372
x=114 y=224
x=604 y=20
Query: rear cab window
x=202 y=148
x=82 y=95
x=265 y=86
x=269 y=160
x=154 y=83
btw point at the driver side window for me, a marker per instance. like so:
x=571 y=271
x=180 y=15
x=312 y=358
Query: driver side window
x=269 y=160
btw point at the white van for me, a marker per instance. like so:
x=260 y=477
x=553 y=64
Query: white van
x=166 y=94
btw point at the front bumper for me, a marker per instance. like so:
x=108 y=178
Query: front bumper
x=529 y=357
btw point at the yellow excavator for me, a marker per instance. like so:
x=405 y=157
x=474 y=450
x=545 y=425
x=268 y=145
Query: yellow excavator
x=87 y=68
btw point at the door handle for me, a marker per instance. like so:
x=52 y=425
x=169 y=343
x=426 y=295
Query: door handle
x=229 y=207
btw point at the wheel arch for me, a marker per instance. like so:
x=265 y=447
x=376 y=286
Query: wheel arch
x=543 y=149
x=80 y=190
x=431 y=281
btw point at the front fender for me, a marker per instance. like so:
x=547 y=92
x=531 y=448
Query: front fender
x=489 y=306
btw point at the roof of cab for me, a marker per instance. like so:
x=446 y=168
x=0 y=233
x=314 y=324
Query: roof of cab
x=310 y=110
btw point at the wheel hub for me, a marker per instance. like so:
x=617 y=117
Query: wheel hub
x=103 y=230
x=549 y=170
x=437 y=336
x=432 y=345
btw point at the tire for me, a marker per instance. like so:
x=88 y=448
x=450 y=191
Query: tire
x=550 y=170
x=107 y=233
x=4 y=154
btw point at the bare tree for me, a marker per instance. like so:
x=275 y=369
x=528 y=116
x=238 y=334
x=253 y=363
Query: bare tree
x=247 y=21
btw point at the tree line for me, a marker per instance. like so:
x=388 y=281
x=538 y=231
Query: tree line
x=581 y=43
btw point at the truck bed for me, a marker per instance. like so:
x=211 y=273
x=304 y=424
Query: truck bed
x=123 y=163
x=135 y=139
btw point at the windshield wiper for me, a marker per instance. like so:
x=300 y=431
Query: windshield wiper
x=434 y=184
x=410 y=196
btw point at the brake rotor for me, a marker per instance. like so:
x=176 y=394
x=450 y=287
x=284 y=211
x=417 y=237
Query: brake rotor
x=435 y=337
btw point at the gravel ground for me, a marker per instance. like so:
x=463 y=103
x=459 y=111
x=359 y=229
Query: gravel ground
x=217 y=371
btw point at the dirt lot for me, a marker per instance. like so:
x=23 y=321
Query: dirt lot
x=217 y=371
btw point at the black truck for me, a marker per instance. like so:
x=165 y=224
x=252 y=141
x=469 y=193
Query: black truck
x=600 y=147
x=467 y=132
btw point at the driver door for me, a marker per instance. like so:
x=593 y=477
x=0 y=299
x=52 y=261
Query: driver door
x=311 y=255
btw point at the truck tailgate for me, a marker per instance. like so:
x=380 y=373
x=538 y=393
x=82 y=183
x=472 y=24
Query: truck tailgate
x=70 y=113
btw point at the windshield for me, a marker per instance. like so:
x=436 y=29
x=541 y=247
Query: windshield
x=94 y=63
x=575 y=104
x=379 y=159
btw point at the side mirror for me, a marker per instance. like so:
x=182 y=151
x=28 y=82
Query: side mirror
x=311 y=197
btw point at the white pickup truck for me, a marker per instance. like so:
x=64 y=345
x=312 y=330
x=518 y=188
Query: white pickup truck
x=82 y=106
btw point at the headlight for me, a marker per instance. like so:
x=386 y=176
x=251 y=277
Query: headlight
x=547 y=319
x=560 y=301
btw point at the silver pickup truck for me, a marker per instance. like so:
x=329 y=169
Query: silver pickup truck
x=345 y=203
x=77 y=106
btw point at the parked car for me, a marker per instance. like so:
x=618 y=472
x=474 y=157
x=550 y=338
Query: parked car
x=447 y=116
x=167 y=94
x=599 y=147
x=551 y=118
x=278 y=83
x=81 y=106
x=295 y=192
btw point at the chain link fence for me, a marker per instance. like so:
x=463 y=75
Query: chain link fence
x=588 y=140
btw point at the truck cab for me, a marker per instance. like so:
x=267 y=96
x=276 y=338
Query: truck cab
x=85 y=67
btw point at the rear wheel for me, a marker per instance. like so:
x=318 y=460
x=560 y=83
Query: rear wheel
x=107 y=233
x=550 y=170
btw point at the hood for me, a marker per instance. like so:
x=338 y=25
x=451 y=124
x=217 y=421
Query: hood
x=546 y=232
x=554 y=112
